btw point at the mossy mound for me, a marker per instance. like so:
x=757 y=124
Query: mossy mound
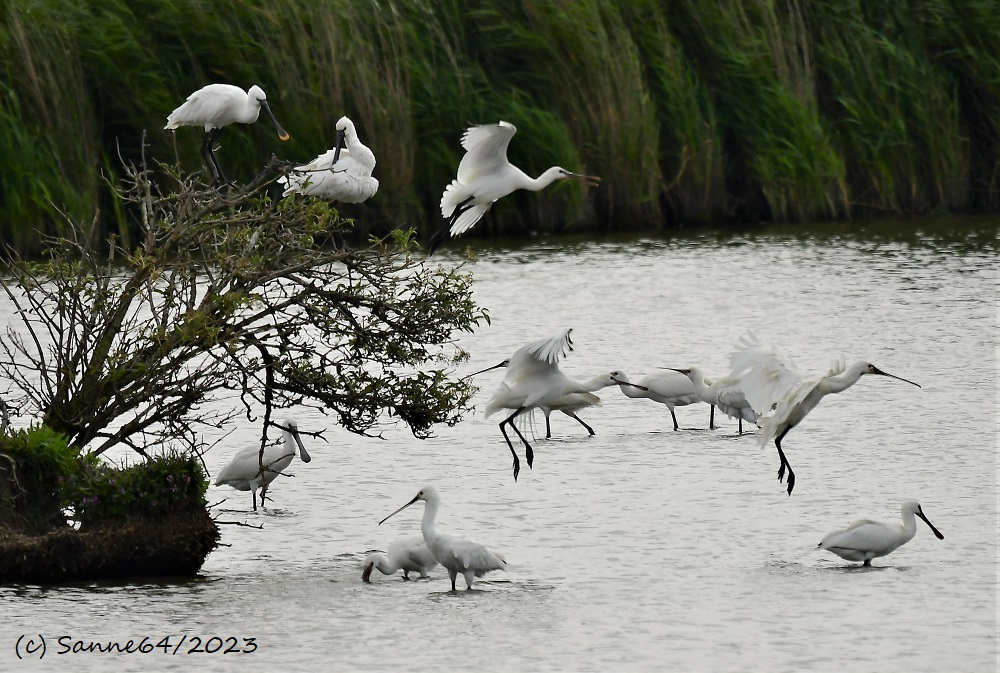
x=169 y=545
x=145 y=520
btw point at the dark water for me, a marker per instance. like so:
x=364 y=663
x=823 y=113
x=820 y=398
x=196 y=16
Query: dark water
x=639 y=548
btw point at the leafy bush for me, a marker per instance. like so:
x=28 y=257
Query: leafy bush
x=165 y=484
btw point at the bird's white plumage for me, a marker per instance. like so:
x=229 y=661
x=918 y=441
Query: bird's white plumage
x=350 y=180
x=485 y=175
x=244 y=471
x=457 y=555
x=216 y=105
x=533 y=378
x=668 y=387
x=408 y=555
x=726 y=393
x=865 y=539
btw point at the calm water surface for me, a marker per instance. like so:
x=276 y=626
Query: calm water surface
x=641 y=548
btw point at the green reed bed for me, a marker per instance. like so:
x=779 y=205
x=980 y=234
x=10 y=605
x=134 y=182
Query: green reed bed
x=692 y=111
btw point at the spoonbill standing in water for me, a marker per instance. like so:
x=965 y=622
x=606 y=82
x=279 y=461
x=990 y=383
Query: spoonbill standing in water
x=667 y=387
x=782 y=396
x=485 y=176
x=724 y=393
x=216 y=105
x=409 y=555
x=455 y=554
x=343 y=174
x=244 y=471
x=864 y=540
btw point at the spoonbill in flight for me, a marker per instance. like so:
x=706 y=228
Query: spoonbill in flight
x=782 y=396
x=409 y=555
x=214 y=106
x=571 y=403
x=667 y=387
x=864 y=540
x=485 y=176
x=534 y=381
x=244 y=471
x=725 y=393
x=455 y=554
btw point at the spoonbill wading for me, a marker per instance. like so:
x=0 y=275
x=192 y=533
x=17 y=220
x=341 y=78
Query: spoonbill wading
x=724 y=393
x=669 y=388
x=408 y=555
x=485 y=176
x=865 y=539
x=249 y=471
x=782 y=396
x=214 y=106
x=455 y=554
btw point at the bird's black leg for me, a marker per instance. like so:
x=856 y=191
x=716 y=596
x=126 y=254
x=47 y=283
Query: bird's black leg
x=207 y=156
x=711 y=418
x=674 y=416
x=784 y=463
x=589 y=429
x=254 y=494
x=220 y=178
x=529 y=453
x=867 y=562
x=548 y=429
x=517 y=462
x=741 y=425
x=441 y=234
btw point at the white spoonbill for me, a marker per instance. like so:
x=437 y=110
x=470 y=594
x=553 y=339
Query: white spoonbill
x=667 y=387
x=343 y=174
x=455 y=554
x=573 y=402
x=865 y=539
x=216 y=105
x=409 y=555
x=484 y=176
x=782 y=396
x=244 y=472
x=534 y=381
x=724 y=393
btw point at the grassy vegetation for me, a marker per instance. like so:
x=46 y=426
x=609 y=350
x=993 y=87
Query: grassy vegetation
x=691 y=110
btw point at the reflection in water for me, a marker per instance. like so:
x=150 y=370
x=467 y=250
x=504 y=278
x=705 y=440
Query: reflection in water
x=639 y=548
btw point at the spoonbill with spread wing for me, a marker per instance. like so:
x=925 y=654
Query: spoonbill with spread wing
x=782 y=396
x=484 y=176
x=455 y=554
x=216 y=105
x=865 y=539
x=343 y=174
x=724 y=393
x=249 y=471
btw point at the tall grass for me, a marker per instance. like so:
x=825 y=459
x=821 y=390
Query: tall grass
x=692 y=111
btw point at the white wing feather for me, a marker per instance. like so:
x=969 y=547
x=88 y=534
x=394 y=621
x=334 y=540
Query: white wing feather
x=486 y=148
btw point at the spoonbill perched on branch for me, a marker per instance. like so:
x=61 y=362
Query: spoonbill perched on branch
x=485 y=176
x=216 y=105
x=409 y=555
x=782 y=396
x=865 y=539
x=343 y=174
x=455 y=554
x=249 y=470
